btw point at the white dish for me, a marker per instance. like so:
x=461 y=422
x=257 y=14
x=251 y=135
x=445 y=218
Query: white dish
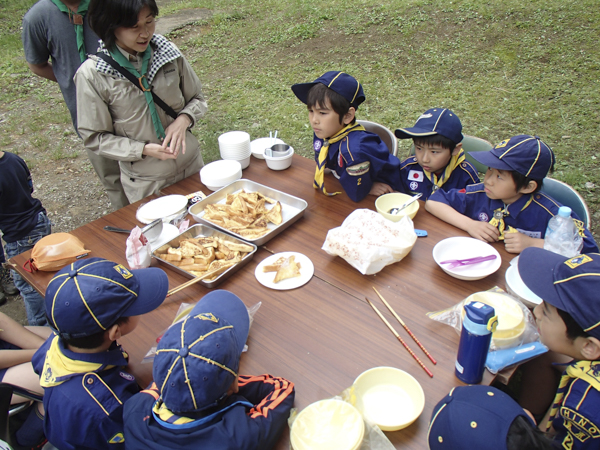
x=463 y=248
x=162 y=207
x=221 y=173
x=233 y=138
x=516 y=287
x=168 y=232
x=278 y=162
x=307 y=269
x=257 y=146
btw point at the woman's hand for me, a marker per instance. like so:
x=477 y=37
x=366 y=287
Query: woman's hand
x=157 y=151
x=175 y=135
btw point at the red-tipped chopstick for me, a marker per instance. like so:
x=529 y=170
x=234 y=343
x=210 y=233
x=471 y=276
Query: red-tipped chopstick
x=399 y=338
x=405 y=327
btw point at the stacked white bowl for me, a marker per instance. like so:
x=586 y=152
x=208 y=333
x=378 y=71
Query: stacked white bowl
x=220 y=173
x=235 y=145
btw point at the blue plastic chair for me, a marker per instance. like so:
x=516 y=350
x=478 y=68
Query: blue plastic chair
x=566 y=195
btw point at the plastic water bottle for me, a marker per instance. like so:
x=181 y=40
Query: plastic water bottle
x=562 y=235
x=479 y=323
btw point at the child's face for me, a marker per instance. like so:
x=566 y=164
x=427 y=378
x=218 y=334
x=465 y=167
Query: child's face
x=552 y=329
x=432 y=158
x=324 y=121
x=131 y=325
x=499 y=185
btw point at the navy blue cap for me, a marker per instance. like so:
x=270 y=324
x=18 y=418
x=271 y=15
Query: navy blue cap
x=473 y=417
x=89 y=295
x=198 y=359
x=524 y=154
x=342 y=83
x=434 y=121
x=569 y=284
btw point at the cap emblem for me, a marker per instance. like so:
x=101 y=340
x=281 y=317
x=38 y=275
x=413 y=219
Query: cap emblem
x=502 y=144
x=122 y=270
x=207 y=316
x=573 y=263
x=425 y=116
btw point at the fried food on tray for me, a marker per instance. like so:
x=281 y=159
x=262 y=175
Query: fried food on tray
x=245 y=213
x=206 y=254
x=285 y=268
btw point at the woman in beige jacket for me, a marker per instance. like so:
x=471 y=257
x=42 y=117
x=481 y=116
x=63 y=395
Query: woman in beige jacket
x=118 y=120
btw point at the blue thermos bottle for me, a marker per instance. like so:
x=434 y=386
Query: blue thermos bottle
x=479 y=323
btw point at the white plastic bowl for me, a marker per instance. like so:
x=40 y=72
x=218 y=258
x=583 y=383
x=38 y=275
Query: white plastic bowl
x=220 y=173
x=257 y=146
x=278 y=162
x=464 y=248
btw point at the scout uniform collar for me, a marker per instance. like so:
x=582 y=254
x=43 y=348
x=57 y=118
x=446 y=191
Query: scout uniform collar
x=76 y=18
x=455 y=161
x=319 y=181
x=515 y=208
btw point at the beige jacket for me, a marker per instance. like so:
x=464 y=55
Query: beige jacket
x=115 y=122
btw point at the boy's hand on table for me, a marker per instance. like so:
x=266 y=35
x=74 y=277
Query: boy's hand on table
x=157 y=151
x=380 y=189
x=516 y=242
x=483 y=231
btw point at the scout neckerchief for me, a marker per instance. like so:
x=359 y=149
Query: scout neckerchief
x=499 y=215
x=59 y=367
x=319 y=182
x=582 y=369
x=454 y=162
x=77 y=20
x=143 y=80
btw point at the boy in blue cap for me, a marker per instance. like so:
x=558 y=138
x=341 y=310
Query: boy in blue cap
x=439 y=160
x=568 y=322
x=197 y=399
x=358 y=158
x=508 y=205
x=92 y=303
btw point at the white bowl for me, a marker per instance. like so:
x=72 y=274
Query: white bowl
x=233 y=137
x=278 y=162
x=517 y=288
x=463 y=248
x=388 y=397
x=221 y=173
x=257 y=146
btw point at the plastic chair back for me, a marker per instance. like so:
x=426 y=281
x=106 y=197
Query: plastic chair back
x=566 y=195
x=386 y=135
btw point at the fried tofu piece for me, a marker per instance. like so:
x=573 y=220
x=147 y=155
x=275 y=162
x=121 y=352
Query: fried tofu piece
x=289 y=269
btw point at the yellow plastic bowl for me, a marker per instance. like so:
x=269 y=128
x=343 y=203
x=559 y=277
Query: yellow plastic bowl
x=511 y=320
x=328 y=424
x=388 y=397
x=386 y=202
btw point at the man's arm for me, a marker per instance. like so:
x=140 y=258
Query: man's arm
x=43 y=70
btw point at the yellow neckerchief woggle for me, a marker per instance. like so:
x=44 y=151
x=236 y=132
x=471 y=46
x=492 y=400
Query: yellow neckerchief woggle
x=319 y=181
x=581 y=369
x=498 y=219
x=454 y=162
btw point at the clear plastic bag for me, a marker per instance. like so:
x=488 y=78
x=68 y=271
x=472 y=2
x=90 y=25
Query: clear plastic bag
x=182 y=313
x=514 y=341
x=138 y=251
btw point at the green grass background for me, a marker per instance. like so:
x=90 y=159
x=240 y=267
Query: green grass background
x=505 y=68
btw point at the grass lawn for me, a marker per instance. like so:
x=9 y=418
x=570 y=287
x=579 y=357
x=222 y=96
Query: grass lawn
x=505 y=68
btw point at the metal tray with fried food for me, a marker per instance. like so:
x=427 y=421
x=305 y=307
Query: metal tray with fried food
x=292 y=208
x=167 y=254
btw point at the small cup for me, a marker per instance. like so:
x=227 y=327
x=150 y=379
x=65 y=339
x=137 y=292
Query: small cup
x=278 y=151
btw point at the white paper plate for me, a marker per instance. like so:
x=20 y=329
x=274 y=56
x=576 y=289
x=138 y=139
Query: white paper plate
x=307 y=269
x=168 y=232
x=161 y=207
x=258 y=146
x=515 y=286
x=463 y=248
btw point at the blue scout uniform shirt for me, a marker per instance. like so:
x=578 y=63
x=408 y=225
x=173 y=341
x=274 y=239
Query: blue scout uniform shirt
x=529 y=214
x=360 y=159
x=251 y=419
x=84 y=407
x=413 y=180
x=577 y=423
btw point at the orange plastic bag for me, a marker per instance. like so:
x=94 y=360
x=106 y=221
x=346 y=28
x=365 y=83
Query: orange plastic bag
x=55 y=251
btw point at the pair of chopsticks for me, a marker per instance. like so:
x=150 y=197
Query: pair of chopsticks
x=193 y=281
x=398 y=336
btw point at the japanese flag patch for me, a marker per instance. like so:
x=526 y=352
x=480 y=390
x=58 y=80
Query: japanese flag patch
x=415 y=175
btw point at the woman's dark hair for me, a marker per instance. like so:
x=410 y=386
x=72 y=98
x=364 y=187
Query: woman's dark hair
x=436 y=139
x=95 y=340
x=521 y=181
x=523 y=435
x=105 y=16
x=318 y=96
x=573 y=329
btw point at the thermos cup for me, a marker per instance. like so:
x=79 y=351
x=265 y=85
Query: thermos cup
x=479 y=323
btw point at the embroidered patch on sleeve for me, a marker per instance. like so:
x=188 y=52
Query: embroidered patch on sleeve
x=415 y=175
x=359 y=169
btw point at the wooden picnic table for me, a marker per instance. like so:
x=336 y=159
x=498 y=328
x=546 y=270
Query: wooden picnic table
x=324 y=334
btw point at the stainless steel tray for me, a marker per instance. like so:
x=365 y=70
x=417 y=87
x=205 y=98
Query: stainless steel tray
x=206 y=231
x=292 y=208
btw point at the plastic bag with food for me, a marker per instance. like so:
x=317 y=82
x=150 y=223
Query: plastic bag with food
x=369 y=242
x=138 y=251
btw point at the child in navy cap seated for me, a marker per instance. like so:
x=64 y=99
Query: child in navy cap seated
x=92 y=303
x=568 y=321
x=508 y=205
x=360 y=160
x=198 y=400
x=483 y=417
x=439 y=160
